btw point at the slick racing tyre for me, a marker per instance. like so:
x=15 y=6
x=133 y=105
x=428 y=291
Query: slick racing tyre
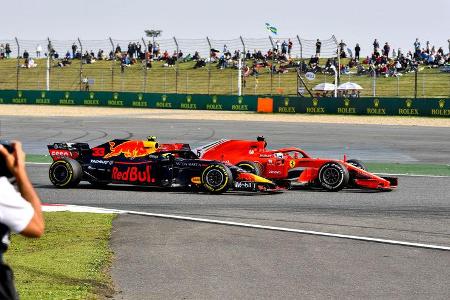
x=65 y=173
x=333 y=176
x=250 y=166
x=217 y=178
x=357 y=163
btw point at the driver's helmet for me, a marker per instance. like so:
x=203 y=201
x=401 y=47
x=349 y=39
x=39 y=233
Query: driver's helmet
x=278 y=155
x=151 y=138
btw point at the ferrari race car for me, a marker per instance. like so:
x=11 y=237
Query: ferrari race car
x=293 y=167
x=148 y=163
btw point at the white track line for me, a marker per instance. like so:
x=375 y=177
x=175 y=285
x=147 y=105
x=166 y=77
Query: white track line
x=274 y=228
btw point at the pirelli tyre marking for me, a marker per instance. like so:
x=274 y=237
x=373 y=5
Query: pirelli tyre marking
x=61 y=173
x=216 y=178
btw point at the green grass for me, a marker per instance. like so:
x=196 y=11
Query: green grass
x=159 y=79
x=375 y=167
x=71 y=260
x=410 y=169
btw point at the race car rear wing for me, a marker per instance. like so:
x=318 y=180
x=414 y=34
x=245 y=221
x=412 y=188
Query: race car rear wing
x=72 y=150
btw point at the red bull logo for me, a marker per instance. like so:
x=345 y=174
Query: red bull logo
x=132 y=149
x=132 y=174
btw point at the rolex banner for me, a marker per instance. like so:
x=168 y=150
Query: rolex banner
x=439 y=107
x=436 y=107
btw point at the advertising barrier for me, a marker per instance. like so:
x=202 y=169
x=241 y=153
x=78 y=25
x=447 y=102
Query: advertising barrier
x=435 y=107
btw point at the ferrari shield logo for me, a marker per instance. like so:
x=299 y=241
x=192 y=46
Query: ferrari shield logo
x=441 y=103
x=66 y=95
x=292 y=164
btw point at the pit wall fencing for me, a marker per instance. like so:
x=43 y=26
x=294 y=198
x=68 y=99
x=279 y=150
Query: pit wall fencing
x=435 y=107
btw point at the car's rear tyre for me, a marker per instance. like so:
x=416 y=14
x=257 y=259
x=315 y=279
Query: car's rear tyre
x=65 y=173
x=357 y=163
x=217 y=178
x=333 y=176
x=250 y=166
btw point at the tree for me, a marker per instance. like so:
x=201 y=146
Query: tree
x=153 y=34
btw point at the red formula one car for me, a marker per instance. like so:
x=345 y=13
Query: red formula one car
x=293 y=167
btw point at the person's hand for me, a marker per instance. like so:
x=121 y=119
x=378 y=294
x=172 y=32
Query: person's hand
x=15 y=161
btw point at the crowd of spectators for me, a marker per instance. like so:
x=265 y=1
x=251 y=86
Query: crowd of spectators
x=383 y=61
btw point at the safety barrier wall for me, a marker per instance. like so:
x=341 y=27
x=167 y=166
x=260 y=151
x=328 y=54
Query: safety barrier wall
x=439 y=107
x=142 y=100
x=364 y=106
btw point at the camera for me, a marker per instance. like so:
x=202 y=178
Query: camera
x=4 y=171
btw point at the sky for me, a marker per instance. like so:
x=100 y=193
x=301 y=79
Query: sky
x=397 y=22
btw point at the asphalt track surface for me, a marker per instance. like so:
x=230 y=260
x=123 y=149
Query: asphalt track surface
x=160 y=258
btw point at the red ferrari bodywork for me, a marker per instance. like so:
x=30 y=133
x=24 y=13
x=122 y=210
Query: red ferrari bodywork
x=291 y=164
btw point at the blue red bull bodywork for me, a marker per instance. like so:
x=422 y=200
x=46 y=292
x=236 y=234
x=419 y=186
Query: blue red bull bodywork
x=148 y=163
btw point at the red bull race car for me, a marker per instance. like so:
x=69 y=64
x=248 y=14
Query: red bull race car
x=148 y=163
x=293 y=167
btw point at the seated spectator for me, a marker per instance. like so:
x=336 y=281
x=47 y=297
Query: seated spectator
x=200 y=64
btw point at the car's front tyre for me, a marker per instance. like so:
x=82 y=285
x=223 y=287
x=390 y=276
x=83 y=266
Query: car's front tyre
x=217 y=178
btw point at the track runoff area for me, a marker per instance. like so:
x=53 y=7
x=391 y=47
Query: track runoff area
x=415 y=216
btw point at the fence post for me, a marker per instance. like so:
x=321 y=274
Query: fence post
x=374 y=84
x=338 y=53
x=242 y=63
x=301 y=47
x=209 y=65
x=144 y=86
x=176 y=65
x=415 y=82
x=271 y=67
x=112 y=64
x=49 y=57
x=17 y=64
x=81 y=63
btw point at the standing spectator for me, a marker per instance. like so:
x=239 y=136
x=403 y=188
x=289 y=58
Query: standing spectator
x=417 y=46
x=357 y=51
x=2 y=51
x=342 y=49
x=448 y=46
x=74 y=49
x=38 y=51
x=386 y=49
x=7 y=50
x=318 y=46
x=290 y=44
x=26 y=55
x=284 y=47
x=376 y=45
x=278 y=44
x=225 y=49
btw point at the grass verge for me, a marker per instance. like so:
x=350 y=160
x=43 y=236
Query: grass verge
x=409 y=169
x=375 y=167
x=70 y=261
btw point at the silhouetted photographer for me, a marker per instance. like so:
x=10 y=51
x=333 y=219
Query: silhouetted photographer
x=20 y=209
